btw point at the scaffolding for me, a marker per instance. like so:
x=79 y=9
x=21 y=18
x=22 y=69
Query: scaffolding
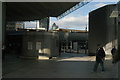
x=77 y=6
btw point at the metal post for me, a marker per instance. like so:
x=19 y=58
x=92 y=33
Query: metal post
x=36 y=25
x=48 y=24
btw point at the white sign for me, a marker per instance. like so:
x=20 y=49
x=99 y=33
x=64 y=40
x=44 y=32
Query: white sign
x=29 y=45
x=38 y=45
x=114 y=14
x=75 y=45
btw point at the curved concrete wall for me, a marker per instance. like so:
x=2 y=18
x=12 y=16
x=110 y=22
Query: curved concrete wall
x=73 y=36
x=40 y=43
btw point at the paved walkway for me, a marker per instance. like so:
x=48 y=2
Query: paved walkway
x=68 y=65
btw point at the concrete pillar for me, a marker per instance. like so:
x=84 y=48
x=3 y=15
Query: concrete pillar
x=119 y=39
x=75 y=46
x=117 y=18
x=0 y=23
x=118 y=25
x=0 y=39
x=48 y=23
x=2 y=31
x=67 y=45
x=66 y=40
x=3 y=21
x=71 y=46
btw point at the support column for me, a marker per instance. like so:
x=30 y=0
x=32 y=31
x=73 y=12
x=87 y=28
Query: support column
x=118 y=26
x=3 y=22
x=118 y=32
x=0 y=39
x=67 y=42
x=70 y=46
x=48 y=24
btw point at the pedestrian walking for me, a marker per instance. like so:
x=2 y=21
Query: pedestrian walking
x=100 y=57
x=113 y=52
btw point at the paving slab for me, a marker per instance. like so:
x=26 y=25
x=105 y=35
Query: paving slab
x=68 y=65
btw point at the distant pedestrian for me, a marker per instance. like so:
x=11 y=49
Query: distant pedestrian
x=117 y=56
x=113 y=52
x=100 y=56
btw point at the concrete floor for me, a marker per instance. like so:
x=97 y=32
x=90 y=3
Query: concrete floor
x=68 y=65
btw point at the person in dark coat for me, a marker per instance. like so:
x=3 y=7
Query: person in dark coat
x=100 y=56
x=113 y=52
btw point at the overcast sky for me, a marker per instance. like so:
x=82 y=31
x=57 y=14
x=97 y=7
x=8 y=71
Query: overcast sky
x=79 y=18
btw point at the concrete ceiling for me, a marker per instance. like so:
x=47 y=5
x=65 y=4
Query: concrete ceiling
x=26 y=11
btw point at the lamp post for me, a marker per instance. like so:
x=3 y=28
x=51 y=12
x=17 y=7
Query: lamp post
x=86 y=40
